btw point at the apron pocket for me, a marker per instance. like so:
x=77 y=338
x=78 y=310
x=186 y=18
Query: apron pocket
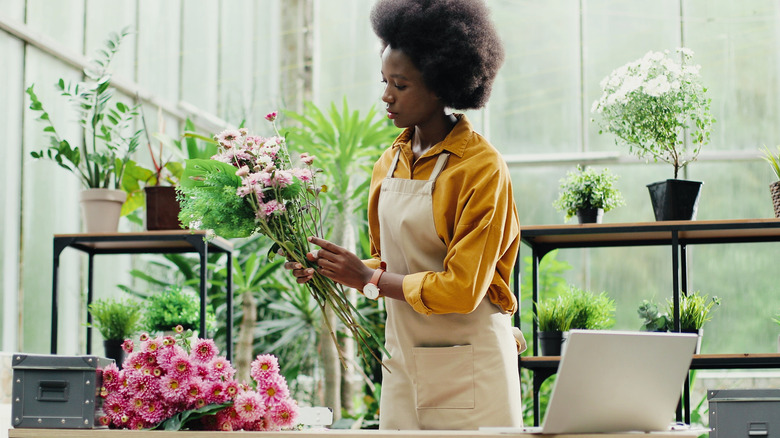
x=445 y=377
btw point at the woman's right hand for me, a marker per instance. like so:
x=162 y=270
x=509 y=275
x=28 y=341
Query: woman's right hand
x=301 y=273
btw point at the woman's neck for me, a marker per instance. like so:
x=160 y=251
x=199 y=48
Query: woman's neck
x=425 y=136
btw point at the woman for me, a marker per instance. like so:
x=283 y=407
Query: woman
x=443 y=226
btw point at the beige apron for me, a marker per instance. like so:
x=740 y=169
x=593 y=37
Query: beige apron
x=452 y=371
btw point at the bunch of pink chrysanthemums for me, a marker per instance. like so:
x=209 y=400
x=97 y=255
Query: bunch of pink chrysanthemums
x=170 y=375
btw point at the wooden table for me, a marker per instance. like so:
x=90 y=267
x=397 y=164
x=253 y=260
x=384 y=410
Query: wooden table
x=332 y=433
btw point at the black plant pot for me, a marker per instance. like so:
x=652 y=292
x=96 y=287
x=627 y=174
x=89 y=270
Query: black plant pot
x=675 y=199
x=550 y=343
x=113 y=350
x=590 y=215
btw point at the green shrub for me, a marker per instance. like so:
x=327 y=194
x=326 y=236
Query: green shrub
x=115 y=319
x=175 y=306
x=576 y=309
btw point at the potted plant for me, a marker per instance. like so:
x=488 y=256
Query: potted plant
x=173 y=307
x=109 y=139
x=695 y=311
x=588 y=194
x=116 y=320
x=649 y=105
x=573 y=309
x=774 y=188
x=654 y=320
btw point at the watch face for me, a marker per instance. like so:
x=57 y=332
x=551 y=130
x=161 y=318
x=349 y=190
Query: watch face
x=371 y=291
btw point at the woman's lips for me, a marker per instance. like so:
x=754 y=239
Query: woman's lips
x=391 y=115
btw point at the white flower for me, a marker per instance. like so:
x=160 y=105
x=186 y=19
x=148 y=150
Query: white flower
x=657 y=87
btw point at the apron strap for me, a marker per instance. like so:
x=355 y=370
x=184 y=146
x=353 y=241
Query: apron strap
x=391 y=170
x=440 y=163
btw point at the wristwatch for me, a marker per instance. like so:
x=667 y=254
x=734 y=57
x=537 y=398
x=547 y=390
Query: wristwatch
x=371 y=289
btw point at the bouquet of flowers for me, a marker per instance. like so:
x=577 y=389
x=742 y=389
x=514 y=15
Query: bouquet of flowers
x=176 y=382
x=648 y=103
x=251 y=186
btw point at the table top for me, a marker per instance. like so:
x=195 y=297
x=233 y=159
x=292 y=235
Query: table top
x=143 y=242
x=650 y=233
x=331 y=433
x=700 y=361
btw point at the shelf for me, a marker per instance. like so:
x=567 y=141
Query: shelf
x=147 y=242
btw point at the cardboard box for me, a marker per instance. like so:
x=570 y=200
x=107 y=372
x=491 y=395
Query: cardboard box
x=52 y=391
x=736 y=413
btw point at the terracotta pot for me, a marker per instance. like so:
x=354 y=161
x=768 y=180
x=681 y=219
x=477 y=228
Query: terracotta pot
x=675 y=199
x=162 y=208
x=101 y=209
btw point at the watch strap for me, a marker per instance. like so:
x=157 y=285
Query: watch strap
x=378 y=274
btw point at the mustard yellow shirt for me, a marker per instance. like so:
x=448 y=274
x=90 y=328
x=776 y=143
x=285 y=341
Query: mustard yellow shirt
x=474 y=214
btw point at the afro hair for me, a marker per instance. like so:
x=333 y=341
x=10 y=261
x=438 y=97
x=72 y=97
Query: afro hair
x=452 y=42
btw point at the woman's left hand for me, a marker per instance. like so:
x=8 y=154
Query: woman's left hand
x=340 y=265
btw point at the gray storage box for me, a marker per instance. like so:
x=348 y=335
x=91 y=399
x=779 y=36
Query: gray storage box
x=62 y=392
x=736 y=413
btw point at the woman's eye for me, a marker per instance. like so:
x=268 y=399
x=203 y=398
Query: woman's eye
x=400 y=87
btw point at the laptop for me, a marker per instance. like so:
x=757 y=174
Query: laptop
x=618 y=381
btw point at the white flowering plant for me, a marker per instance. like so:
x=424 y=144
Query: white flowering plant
x=649 y=104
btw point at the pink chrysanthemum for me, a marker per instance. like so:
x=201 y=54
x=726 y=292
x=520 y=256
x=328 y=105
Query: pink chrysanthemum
x=271 y=116
x=249 y=406
x=194 y=390
x=282 y=178
x=231 y=388
x=152 y=411
x=111 y=377
x=143 y=385
x=128 y=346
x=227 y=137
x=173 y=388
x=273 y=389
x=220 y=368
x=264 y=366
x=216 y=393
x=151 y=345
x=284 y=414
x=204 y=350
x=144 y=337
x=180 y=365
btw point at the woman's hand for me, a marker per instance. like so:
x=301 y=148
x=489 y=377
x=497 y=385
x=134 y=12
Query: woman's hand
x=334 y=262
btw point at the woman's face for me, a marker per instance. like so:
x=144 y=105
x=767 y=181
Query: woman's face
x=409 y=101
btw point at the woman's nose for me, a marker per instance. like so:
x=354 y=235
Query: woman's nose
x=386 y=96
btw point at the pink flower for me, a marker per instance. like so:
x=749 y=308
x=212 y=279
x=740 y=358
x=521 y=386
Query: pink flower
x=307 y=159
x=302 y=174
x=204 y=350
x=271 y=116
x=216 y=393
x=143 y=385
x=111 y=377
x=242 y=171
x=180 y=365
x=179 y=329
x=221 y=369
x=173 y=388
x=273 y=389
x=282 y=178
x=284 y=414
x=249 y=406
x=264 y=366
x=128 y=345
x=227 y=137
x=144 y=337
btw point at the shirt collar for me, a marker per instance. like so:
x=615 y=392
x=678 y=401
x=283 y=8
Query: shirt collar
x=455 y=142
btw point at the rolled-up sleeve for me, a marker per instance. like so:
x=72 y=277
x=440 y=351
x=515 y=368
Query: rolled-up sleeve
x=474 y=215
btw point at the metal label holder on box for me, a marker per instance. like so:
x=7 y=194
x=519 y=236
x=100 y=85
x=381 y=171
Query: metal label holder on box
x=51 y=391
